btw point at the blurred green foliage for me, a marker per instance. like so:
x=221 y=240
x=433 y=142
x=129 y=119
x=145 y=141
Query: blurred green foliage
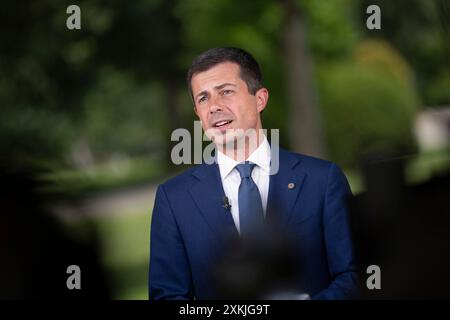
x=333 y=26
x=118 y=113
x=125 y=242
x=122 y=172
x=117 y=85
x=369 y=104
x=420 y=31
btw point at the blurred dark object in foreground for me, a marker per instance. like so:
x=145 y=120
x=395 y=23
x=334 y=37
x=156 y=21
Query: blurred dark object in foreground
x=259 y=268
x=405 y=230
x=34 y=250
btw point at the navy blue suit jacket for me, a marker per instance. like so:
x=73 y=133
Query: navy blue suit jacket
x=189 y=225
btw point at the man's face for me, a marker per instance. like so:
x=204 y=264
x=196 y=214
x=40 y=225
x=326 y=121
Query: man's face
x=223 y=102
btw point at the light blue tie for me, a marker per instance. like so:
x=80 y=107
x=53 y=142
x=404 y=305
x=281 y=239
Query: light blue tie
x=251 y=218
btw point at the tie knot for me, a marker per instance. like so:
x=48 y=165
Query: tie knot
x=245 y=169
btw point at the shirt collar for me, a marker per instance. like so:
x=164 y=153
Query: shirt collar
x=260 y=157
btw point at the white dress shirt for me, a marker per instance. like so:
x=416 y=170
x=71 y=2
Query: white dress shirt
x=231 y=178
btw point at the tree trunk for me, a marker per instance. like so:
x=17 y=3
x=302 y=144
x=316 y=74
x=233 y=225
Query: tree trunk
x=305 y=133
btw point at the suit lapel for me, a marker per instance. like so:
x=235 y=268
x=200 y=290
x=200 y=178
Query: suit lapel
x=284 y=189
x=208 y=195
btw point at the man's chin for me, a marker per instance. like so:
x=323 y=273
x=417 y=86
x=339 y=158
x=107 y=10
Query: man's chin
x=217 y=135
x=223 y=139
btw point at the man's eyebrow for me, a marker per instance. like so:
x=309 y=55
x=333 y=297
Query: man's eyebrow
x=203 y=93
x=223 y=85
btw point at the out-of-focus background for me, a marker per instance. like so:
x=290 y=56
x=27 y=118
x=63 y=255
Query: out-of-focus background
x=86 y=115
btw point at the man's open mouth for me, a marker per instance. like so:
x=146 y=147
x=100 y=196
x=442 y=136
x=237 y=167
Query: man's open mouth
x=222 y=123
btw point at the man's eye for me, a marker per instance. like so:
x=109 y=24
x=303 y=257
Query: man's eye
x=227 y=92
x=202 y=99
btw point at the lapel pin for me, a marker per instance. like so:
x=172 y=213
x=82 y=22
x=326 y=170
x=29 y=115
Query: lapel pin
x=226 y=203
x=291 y=185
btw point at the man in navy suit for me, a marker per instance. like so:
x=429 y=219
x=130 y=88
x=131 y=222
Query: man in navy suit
x=197 y=212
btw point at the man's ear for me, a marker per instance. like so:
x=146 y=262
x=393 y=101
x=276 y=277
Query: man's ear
x=195 y=110
x=262 y=96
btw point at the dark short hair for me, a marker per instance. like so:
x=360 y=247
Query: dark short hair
x=249 y=68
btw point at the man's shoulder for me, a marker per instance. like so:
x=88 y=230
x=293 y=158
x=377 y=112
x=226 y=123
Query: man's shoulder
x=306 y=162
x=320 y=172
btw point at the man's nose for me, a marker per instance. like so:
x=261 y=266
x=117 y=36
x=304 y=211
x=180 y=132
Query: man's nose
x=215 y=105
